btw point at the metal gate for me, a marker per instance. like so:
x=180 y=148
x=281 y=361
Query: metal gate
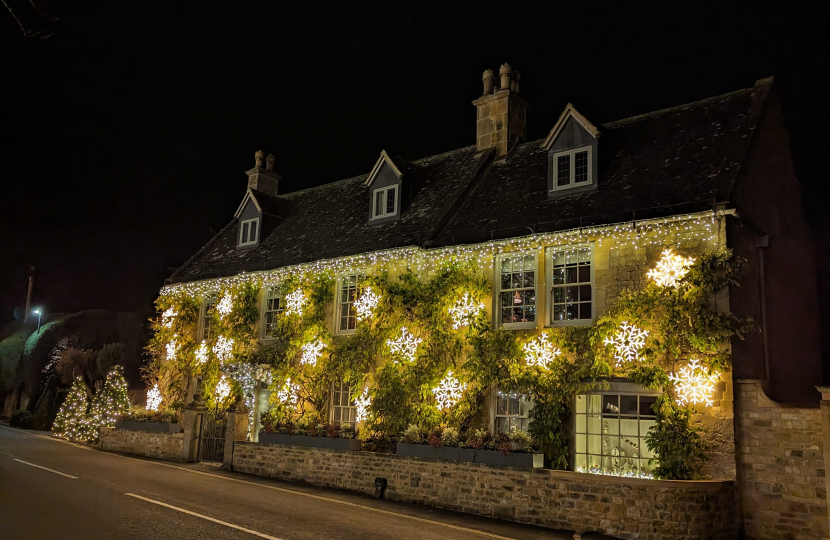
x=212 y=438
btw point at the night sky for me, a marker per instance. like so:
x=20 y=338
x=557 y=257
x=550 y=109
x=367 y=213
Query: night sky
x=125 y=137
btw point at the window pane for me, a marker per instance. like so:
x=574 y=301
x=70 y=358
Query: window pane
x=581 y=167
x=378 y=203
x=244 y=238
x=252 y=236
x=645 y=405
x=628 y=405
x=585 y=311
x=610 y=404
x=390 y=201
x=563 y=170
x=582 y=424
x=581 y=403
x=584 y=274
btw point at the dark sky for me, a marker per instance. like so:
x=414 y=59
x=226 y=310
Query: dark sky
x=125 y=137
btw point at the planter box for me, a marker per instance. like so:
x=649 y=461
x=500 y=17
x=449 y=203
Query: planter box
x=513 y=459
x=427 y=451
x=148 y=426
x=353 y=445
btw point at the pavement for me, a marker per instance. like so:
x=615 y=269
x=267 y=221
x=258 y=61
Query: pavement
x=50 y=488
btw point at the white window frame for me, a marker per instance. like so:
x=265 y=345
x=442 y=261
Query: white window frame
x=498 y=289
x=386 y=192
x=203 y=313
x=572 y=183
x=498 y=394
x=339 y=301
x=549 y=286
x=242 y=228
x=265 y=311
x=337 y=388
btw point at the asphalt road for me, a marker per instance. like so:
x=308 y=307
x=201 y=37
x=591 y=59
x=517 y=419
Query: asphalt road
x=53 y=489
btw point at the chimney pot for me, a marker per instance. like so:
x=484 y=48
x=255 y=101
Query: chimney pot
x=501 y=115
x=487 y=79
x=269 y=162
x=258 y=158
x=504 y=74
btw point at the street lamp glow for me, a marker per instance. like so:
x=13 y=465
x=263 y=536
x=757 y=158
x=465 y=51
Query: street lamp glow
x=38 y=312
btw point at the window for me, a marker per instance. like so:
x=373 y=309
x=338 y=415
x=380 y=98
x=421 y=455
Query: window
x=610 y=433
x=207 y=314
x=517 y=290
x=346 y=313
x=274 y=305
x=343 y=409
x=385 y=202
x=572 y=168
x=572 y=291
x=248 y=231
x=512 y=411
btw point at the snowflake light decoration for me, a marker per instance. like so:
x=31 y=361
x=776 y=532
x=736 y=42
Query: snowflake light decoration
x=154 y=398
x=172 y=347
x=225 y=305
x=311 y=352
x=670 y=269
x=463 y=310
x=627 y=343
x=288 y=393
x=362 y=404
x=540 y=352
x=167 y=317
x=694 y=384
x=366 y=304
x=223 y=349
x=295 y=302
x=202 y=353
x=406 y=345
x=448 y=391
x=223 y=389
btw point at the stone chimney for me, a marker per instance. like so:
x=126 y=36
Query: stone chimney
x=501 y=120
x=264 y=180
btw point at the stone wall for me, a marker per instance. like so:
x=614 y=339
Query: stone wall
x=781 y=467
x=151 y=444
x=622 y=507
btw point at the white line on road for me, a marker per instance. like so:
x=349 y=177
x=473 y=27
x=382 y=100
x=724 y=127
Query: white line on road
x=188 y=512
x=45 y=469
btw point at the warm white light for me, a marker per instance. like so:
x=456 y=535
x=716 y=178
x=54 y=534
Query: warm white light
x=223 y=389
x=223 y=349
x=294 y=302
x=202 y=353
x=167 y=318
x=694 y=384
x=406 y=345
x=225 y=306
x=154 y=398
x=448 y=391
x=670 y=269
x=627 y=343
x=366 y=304
x=288 y=393
x=362 y=405
x=463 y=311
x=172 y=347
x=540 y=352
x=311 y=352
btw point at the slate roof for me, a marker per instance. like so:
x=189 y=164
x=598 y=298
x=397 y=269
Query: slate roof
x=667 y=162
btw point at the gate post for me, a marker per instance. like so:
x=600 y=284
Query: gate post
x=192 y=427
x=236 y=429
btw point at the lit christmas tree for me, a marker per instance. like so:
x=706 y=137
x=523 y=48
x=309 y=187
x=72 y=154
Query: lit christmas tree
x=72 y=422
x=110 y=403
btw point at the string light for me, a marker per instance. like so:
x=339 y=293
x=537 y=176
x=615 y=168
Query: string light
x=362 y=405
x=172 y=347
x=70 y=423
x=223 y=389
x=406 y=345
x=202 y=353
x=289 y=393
x=541 y=352
x=223 y=349
x=294 y=302
x=627 y=343
x=448 y=391
x=167 y=317
x=670 y=269
x=225 y=306
x=154 y=398
x=311 y=352
x=694 y=384
x=366 y=304
x=463 y=311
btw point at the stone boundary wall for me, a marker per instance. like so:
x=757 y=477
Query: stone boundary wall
x=151 y=444
x=622 y=507
x=781 y=467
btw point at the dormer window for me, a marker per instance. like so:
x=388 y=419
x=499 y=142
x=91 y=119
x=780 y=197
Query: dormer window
x=385 y=202
x=249 y=232
x=572 y=168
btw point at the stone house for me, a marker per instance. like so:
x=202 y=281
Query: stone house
x=559 y=227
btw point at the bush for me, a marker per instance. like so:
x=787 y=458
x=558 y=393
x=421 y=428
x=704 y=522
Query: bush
x=164 y=417
x=22 y=418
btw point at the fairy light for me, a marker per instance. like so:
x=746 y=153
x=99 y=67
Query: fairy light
x=627 y=343
x=694 y=384
x=311 y=352
x=168 y=317
x=172 y=347
x=541 y=352
x=294 y=302
x=406 y=345
x=366 y=304
x=223 y=389
x=362 y=404
x=670 y=269
x=448 y=392
x=225 y=306
x=223 y=348
x=202 y=353
x=288 y=393
x=463 y=311
x=154 y=398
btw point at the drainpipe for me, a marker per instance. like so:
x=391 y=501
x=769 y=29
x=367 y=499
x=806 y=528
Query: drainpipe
x=761 y=243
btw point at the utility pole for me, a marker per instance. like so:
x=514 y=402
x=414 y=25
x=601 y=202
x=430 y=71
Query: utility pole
x=29 y=295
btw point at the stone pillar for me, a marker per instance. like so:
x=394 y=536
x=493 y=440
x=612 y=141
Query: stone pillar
x=236 y=429
x=192 y=427
x=825 y=437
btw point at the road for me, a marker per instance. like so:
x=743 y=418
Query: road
x=52 y=489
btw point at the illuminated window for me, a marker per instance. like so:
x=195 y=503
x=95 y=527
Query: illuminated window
x=512 y=412
x=517 y=291
x=572 y=168
x=248 y=232
x=343 y=409
x=274 y=305
x=610 y=430
x=571 y=291
x=385 y=202
x=346 y=296
x=208 y=304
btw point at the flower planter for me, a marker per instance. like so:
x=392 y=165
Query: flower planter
x=427 y=451
x=353 y=445
x=513 y=459
x=164 y=427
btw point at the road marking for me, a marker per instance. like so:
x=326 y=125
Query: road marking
x=45 y=469
x=188 y=512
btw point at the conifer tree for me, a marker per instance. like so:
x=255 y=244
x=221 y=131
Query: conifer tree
x=109 y=404
x=72 y=420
